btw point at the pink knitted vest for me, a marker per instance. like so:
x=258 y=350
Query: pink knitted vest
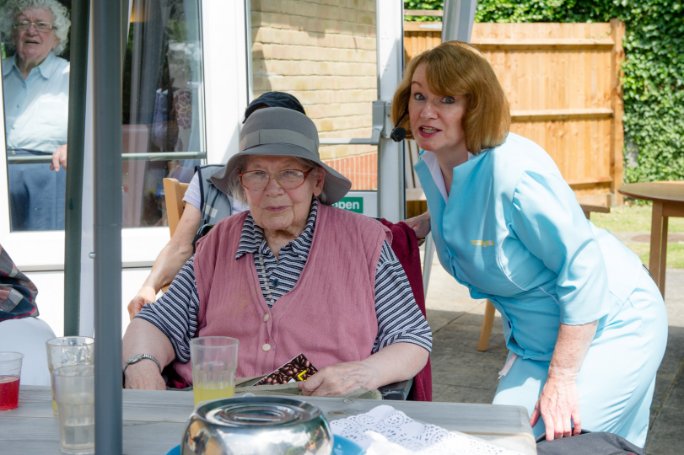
x=329 y=315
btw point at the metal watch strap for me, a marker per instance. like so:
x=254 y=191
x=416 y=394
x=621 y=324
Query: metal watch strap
x=139 y=357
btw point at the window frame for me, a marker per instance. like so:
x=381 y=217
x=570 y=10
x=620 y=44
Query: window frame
x=224 y=70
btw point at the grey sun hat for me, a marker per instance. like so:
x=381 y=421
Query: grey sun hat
x=278 y=131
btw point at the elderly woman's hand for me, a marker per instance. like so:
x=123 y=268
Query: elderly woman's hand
x=341 y=379
x=143 y=337
x=396 y=362
x=59 y=158
x=144 y=375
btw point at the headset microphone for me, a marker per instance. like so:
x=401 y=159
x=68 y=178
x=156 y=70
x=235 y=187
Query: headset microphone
x=398 y=134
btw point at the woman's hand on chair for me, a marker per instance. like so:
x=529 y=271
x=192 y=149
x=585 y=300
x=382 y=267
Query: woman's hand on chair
x=558 y=407
x=420 y=224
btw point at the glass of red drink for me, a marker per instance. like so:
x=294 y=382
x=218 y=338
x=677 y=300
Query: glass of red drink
x=10 y=371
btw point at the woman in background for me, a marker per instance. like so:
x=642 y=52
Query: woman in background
x=36 y=87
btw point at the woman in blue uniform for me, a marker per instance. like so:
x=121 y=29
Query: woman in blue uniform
x=585 y=325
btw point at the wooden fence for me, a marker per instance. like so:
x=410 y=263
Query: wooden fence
x=563 y=83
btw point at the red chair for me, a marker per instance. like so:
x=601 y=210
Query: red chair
x=405 y=246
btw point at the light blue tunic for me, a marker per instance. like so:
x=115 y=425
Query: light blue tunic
x=36 y=114
x=511 y=230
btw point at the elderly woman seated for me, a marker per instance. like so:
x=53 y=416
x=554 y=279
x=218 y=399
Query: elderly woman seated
x=291 y=275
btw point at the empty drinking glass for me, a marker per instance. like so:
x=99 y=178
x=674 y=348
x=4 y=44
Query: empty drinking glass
x=70 y=350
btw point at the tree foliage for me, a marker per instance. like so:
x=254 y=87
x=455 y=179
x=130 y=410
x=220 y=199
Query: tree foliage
x=433 y=5
x=653 y=81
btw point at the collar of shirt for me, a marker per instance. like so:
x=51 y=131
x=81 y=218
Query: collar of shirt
x=45 y=69
x=433 y=165
x=252 y=237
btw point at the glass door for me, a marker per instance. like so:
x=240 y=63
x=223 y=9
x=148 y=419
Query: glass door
x=163 y=122
x=342 y=61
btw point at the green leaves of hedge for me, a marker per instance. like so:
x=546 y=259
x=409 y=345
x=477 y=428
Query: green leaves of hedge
x=653 y=81
x=653 y=87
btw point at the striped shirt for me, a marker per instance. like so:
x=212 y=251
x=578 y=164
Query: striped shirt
x=399 y=318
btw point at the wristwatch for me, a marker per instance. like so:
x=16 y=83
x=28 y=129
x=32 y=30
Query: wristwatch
x=138 y=357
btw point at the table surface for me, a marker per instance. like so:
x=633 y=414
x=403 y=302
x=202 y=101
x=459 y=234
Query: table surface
x=154 y=421
x=668 y=200
x=661 y=191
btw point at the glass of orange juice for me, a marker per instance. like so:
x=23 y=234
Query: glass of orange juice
x=214 y=362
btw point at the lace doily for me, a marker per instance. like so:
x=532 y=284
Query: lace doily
x=384 y=430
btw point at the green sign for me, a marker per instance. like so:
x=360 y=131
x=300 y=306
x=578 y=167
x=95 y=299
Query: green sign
x=351 y=203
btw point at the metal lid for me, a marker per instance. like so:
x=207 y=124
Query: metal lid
x=256 y=412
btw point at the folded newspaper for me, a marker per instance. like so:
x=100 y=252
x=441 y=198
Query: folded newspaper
x=385 y=429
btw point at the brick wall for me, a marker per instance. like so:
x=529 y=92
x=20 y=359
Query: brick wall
x=324 y=53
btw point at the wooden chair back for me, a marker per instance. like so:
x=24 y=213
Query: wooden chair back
x=415 y=198
x=173 y=197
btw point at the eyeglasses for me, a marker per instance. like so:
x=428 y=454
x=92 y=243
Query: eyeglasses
x=40 y=26
x=288 y=179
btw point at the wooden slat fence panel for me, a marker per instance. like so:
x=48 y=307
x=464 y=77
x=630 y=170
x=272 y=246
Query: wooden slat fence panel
x=562 y=81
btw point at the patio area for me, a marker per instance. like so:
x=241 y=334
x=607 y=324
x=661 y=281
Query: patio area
x=462 y=374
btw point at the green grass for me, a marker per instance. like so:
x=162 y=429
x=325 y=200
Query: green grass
x=632 y=224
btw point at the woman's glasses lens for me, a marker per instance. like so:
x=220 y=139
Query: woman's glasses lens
x=40 y=26
x=288 y=179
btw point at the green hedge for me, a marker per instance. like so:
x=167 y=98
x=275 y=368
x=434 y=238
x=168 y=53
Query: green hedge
x=653 y=83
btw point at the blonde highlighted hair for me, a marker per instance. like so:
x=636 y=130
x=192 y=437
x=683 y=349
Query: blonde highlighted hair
x=456 y=68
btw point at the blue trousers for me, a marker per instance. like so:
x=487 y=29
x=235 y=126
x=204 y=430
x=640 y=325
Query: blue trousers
x=36 y=197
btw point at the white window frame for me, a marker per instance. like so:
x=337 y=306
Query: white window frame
x=224 y=78
x=41 y=253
